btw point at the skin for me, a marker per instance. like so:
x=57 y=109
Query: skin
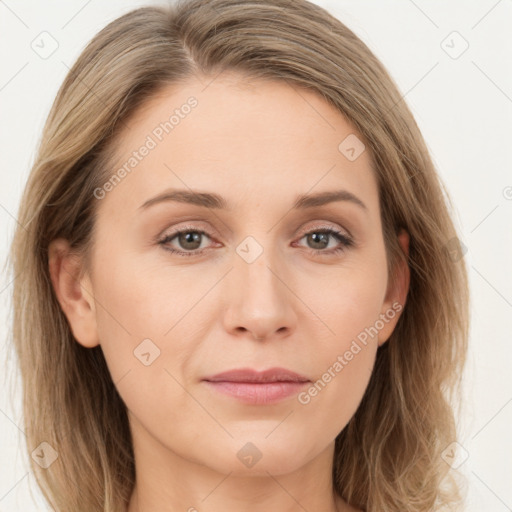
x=259 y=145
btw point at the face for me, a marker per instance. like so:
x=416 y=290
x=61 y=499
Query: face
x=267 y=272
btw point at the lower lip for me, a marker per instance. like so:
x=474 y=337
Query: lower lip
x=258 y=394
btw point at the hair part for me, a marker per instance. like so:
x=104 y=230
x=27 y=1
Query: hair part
x=389 y=455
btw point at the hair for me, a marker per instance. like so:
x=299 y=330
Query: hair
x=388 y=457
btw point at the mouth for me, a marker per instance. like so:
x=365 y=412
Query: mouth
x=258 y=388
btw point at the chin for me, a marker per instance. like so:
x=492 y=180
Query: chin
x=257 y=458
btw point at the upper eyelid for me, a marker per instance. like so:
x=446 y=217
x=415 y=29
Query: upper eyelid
x=205 y=231
x=323 y=224
x=319 y=226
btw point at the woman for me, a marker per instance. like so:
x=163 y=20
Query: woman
x=238 y=278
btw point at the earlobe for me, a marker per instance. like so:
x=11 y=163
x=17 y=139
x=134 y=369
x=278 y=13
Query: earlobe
x=398 y=289
x=73 y=292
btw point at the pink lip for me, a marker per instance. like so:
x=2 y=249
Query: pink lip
x=251 y=386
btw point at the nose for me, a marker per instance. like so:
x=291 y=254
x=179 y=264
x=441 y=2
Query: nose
x=258 y=299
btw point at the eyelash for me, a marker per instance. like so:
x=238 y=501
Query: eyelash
x=345 y=240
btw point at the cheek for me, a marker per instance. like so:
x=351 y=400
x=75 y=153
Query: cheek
x=343 y=363
x=145 y=337
x=331 y=401
x=349 y=303
x=148 y=323
x=139 y=301
x=347 y=299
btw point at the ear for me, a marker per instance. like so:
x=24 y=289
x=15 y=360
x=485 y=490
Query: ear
x=73 y=293
x=396 y=294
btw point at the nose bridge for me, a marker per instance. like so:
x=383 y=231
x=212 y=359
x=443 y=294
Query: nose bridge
x=258 y=301
x=261 y=282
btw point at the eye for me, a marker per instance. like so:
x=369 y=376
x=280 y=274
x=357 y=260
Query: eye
x=319 y=240
x=188 y=239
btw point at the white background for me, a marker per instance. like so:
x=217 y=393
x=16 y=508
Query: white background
x=463 y=107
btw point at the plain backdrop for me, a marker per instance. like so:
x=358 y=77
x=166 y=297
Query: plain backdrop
x=452 y=62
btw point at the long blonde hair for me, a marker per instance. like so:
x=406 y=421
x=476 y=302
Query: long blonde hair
x=388 y=457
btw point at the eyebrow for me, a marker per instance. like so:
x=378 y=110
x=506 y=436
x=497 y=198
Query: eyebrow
x=215 y=201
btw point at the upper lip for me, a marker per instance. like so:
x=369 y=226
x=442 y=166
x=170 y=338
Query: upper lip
x=250 y=375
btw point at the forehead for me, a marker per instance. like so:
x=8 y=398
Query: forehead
x=243 y=139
